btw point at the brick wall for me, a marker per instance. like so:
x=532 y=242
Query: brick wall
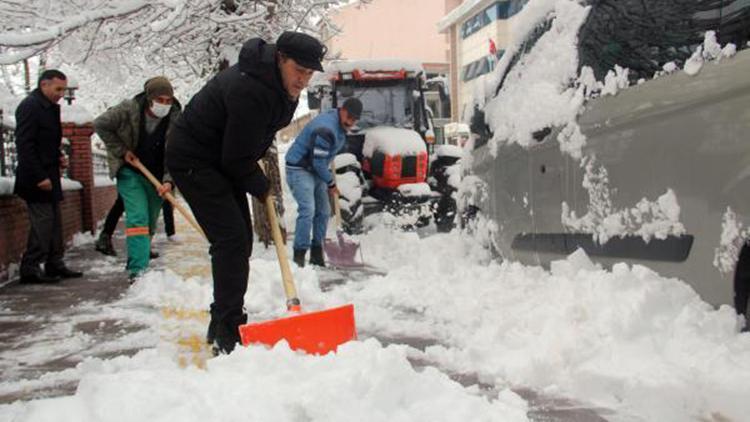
x=104 y=197
x=14 y=230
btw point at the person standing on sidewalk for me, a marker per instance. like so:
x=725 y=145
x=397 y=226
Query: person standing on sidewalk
x=104 y=245
x=38 y=140
x=212 y=154
x=309 y=177
x=135 y=130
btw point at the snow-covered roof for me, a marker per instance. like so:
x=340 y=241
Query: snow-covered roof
x=373 y=65
x=392 y=141
x=467 y=7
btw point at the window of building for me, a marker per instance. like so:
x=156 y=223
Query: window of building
x=480 y=67
x=498 y=10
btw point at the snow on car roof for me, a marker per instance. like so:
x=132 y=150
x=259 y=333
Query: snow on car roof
x=392 y=141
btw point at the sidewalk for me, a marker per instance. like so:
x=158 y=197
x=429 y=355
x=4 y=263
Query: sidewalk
x=47 y=331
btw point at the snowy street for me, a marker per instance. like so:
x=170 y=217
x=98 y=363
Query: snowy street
x=446 y=334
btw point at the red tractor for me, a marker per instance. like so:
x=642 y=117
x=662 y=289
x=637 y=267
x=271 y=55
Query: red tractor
x=385 y=164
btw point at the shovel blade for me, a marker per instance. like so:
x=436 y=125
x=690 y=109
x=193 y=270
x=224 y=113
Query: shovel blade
x=341 y=252
x=315 y=333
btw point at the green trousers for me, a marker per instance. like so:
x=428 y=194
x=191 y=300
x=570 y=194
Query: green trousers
x=142 y=205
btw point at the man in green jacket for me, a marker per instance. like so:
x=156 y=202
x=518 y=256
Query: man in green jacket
x=135 y=130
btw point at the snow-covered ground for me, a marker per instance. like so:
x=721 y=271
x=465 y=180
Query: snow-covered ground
x=627 y=340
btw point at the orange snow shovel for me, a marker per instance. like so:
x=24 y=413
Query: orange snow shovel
x=317 y=332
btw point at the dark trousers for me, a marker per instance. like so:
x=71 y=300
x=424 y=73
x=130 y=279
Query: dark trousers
x=168 y=213
x=222 y=211
x=45 y=244
x=114 y=214
x=742 y=281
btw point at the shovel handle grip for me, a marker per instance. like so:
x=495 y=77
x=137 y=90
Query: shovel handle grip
x=292 y=301
x=169 y=197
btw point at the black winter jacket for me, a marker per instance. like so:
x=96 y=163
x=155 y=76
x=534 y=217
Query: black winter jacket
x=38 y=140
x=231 y=122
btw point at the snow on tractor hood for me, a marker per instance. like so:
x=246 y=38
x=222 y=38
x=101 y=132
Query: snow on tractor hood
x=392 y=141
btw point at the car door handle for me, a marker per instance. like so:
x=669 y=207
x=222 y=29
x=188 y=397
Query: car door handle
x=539 y=135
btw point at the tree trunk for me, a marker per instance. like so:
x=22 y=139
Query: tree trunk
x=270 y=165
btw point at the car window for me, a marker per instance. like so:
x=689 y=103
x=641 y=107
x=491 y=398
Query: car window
x=644 y=35
x=526 y=46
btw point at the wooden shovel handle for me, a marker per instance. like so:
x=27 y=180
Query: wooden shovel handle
x=185 y=213
x=292 y=301
x=336 y=206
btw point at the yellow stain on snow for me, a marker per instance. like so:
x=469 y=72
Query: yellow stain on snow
x=188 y=258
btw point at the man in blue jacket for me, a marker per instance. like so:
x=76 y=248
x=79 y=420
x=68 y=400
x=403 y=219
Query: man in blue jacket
x=308 y=176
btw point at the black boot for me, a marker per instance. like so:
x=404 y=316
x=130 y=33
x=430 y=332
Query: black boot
x=104 y=244
x=316 y=256
x=228 y=333
x=38 y=277
x=299 y=257
x=60 y=270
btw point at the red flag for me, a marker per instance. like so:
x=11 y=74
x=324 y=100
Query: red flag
x=493 y=48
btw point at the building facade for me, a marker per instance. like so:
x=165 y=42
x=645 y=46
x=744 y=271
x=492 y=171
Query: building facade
x=479 y=32
x=395 y=29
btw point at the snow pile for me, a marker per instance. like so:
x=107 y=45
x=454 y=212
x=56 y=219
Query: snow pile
x=647 y=219
x=449 y=151
x=392 y=141
x=103 y=181
x=346 y=159
x=414 y=189
x=350 y=187
x=364 y=381
x=733 y=235
x=656 y=352
x=74 y=114
x=70 y=184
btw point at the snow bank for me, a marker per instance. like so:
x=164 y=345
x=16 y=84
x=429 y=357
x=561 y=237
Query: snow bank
x=104 y=181
x=7 y=183
x=69 y=184
x=415 y=189
x=364 y=381
x=449 y=151
x=343 y=160
x=392 y=141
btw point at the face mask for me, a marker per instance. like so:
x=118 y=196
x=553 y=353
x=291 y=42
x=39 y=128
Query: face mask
x=160 y=110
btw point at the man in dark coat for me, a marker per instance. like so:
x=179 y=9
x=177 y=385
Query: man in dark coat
x=38 y=139
x=212 y=154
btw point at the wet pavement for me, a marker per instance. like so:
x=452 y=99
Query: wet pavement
x=46 y=331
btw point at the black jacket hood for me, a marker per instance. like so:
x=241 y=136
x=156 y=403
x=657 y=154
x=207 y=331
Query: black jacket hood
x=258 y=58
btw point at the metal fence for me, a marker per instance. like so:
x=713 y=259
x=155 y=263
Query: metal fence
x=101 y=166
x=9 y=161
x=7 y=149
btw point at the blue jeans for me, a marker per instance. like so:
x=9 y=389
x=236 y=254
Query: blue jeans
x=313 y=208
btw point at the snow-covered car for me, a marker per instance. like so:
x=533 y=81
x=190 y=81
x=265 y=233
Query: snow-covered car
x=620 y=127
